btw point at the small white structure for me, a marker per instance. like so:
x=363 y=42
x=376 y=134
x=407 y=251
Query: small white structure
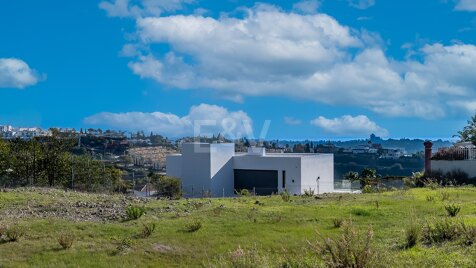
x=216 y=170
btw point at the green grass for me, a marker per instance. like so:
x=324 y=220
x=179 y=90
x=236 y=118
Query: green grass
x=275 y=228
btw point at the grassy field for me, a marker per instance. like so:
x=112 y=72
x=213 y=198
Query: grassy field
x=244 y=231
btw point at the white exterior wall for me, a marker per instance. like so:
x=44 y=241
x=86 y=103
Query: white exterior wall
x=292 y=165
x=468 y=166
x=174 y=165
x=222 y=169
x=318 y=166
x=196 y=177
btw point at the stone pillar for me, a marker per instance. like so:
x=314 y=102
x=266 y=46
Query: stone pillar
x=428 y=151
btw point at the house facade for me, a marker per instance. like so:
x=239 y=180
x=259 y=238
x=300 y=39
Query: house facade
x=216 y=170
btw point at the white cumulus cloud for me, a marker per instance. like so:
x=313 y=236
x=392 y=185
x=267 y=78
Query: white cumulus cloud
x=15 y=73
x=361 y=4
x=466 y=5
x=140 y=8
x=349 y=126
x=271 y=52
x=307 y=6
x=203 y=119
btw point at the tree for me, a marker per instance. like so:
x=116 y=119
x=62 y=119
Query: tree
x=4 y=159
x=367 y=176
x=468 y=134
x=352 y=176
x=369 y=173
x=167 y=186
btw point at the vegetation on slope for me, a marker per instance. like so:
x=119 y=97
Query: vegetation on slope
x=408 y=228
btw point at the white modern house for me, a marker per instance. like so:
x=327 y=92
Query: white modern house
x=217 y=170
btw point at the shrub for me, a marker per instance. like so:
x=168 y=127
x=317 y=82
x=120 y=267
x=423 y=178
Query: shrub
x=147 y=230
x=452 y=210
x=468 y=234
x=308 y=192
x=134 y=212
x=441 y=230
x=169 y=187
x=351 y=249
x=456 y=177
x=66 y=240
x=243 y=192
x=285 y=195
x=360 y=212
x=252 y=215
x=14 y=234
x=249 y=258
x=367 y=189
x=124 y=245
x=337 y=222
x=444 y=195
x=451 y=153
x=218 y=210
x=412 y=235
x=2 y=231
x=193 y=226
x=430 y=198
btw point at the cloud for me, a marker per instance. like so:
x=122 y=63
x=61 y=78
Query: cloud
x=15 y=73
x=349 y=126
x=270 y=52
x=307 y=6
x=140 y=8
x=288 y=120
x=203 y=119
x=466 y=5
x=361 y=4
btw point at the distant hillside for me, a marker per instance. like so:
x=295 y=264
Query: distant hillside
x=410 y=145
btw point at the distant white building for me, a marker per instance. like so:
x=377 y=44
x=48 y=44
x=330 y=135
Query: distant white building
x=217 y=170
x=393 y=153
x=364 y=149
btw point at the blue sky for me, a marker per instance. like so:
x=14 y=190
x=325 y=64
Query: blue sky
x=313 y=69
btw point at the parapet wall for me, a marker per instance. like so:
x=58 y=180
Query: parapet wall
x=468 y=166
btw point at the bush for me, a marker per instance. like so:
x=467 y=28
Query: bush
x=249 y=258
x=147 y=230
x=452 y=209
x=456 y=177
x=2 y=231
x=308 y=192
x=134 y=212
x=367 y=189
x=169 y=187
x=351 y=249
x=124 y=245
x=412 y=235
x=338 y=222
x=218 y=210
x=430 y=198
x=243 y=192
x=285 y=196
x=66 y=240
x=360 y=212
x=468 y=234
x=441 y=230
x=444 y=195
x=14 y=234
x=193 y=226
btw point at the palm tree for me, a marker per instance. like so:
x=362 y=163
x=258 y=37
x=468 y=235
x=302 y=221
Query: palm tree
x=468 y=134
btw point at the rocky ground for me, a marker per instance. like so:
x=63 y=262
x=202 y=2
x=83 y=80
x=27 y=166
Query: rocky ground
x=72 y=206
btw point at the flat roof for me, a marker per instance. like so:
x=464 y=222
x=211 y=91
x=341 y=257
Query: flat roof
x=280 y=155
